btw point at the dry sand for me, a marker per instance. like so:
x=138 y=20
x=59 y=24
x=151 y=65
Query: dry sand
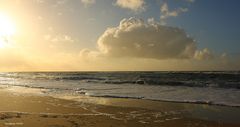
x=29 y=110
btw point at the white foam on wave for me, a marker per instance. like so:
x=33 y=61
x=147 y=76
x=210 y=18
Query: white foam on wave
x=208 y=95
x=218 y=96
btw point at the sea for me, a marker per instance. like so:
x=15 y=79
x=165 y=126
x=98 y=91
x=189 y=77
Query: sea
x=215 y=88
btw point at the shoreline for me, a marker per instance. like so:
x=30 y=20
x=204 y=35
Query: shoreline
x=44 y=90
x=27 y=109
x=210 y=103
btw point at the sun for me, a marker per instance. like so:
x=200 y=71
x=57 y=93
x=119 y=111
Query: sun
x=7 y=30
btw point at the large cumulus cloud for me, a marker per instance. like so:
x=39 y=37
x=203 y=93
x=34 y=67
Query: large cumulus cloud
x=136 y=38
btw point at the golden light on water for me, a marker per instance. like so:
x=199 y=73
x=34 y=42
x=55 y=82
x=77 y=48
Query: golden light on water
x=7 y=29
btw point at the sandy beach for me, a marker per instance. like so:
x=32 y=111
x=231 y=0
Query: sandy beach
x=21 y=109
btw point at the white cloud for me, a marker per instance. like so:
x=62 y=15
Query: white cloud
x=39 y=17
x=135 y=38
x=60 y=2
x=224 y=55
x=190 y=1
x=58 y=38
x=204 y=54
x=166 y=13
x=87 y=54
x=88 y=2
x=135 y=5
x=40 y=1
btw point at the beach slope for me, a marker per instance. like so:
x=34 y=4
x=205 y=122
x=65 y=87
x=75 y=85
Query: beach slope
x=28 y=110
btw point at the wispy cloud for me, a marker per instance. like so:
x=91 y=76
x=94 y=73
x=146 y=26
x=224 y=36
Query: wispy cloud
x=190 y=1
x=40 y=1
x=58 y=38
x=135 y=5
x=204 y=54
x=168 y=13
x=88 y=2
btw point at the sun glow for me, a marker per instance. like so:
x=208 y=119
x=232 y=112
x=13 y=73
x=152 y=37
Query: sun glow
x=7 y=30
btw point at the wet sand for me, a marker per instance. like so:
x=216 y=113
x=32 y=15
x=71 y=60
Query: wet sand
x=31 y=110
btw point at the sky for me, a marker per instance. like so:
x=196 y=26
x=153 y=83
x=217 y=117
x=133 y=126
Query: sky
x=119 y=35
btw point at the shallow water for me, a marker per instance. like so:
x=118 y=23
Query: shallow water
x=220 y=88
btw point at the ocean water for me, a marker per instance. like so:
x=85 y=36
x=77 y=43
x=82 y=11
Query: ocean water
x=219 y=88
